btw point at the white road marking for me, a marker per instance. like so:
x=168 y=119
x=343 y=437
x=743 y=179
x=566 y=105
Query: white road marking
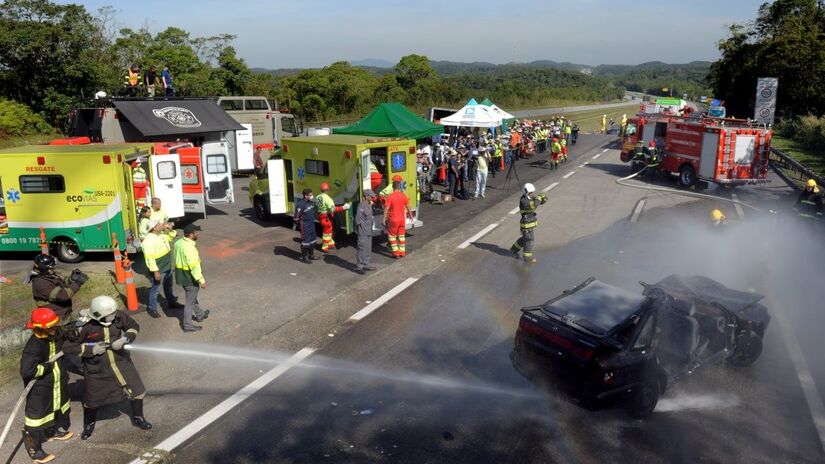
x=568 y=174
x=550 y=187
x=597 y=155
x=477 y=236
x=515 y=210
x=605 y=150
x=636 y=212
x=584 y=164
x=739 y=211
x=806 y=380
x=194 y=427
x=383 y=299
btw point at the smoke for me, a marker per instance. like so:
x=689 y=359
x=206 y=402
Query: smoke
x=682 y=402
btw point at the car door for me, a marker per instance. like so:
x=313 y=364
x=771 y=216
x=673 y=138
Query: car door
x=637 y=361
x=217 y=179
x=166 y=183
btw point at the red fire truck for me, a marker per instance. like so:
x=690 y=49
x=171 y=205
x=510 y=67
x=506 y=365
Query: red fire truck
x=703 y=149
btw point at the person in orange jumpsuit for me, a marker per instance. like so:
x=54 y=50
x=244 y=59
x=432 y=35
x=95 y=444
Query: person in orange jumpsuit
x=326 y=209
x=396 y=210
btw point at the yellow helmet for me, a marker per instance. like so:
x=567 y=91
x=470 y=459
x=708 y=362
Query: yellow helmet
x=811 y=183
x=717 y=215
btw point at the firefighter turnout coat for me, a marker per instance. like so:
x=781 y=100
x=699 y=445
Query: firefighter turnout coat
x=48 y=399
x=52 y=291
x=110 y=377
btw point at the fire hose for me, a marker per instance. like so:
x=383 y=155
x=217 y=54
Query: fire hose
x=23 y=396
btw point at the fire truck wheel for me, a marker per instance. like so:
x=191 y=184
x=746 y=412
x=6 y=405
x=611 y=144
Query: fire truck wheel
x=67 y=250
x=687 y=176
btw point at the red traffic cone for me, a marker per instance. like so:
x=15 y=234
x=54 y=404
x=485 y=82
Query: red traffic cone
x=120 y=276
x=131 y=291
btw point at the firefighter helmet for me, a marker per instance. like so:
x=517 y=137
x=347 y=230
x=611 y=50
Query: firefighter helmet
x=529 y=188
x=652 y=144
x=324 y=187
x=102 y=307
x=42 y=318
x=717 y=215
x=43 y=262
x=811 y=183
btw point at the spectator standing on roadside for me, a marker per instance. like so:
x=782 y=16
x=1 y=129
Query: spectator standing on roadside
x=482 y=164
x=166 y=80
x=452 y=173
x=150 y=77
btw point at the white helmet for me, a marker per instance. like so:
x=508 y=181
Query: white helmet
x=102 y=309
x=529 y=188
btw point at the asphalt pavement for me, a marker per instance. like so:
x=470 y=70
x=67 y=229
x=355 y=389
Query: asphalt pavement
x=429 y=376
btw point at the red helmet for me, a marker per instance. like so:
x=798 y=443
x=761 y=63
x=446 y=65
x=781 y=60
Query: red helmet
x=652 y=144
x=43 y=318
x=324 y=187
x=397 y=178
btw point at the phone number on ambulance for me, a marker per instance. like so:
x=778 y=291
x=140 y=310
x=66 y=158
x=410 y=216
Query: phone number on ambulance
x=21 y=240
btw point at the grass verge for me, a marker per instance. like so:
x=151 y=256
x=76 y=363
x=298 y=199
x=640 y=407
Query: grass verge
x=590 y=120
x=800 y=153
x=27 y=140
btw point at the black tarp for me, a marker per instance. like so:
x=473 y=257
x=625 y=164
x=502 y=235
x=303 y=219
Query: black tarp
x=175 y=117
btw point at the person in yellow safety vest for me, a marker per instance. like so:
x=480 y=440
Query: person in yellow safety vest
x=624 y=123
x=133 y=80
x=563 y=143
x=140 y=184
x=555 y=153
x=144 y=218
x=603 y=126
x=528 y=223
x=326 y=213
x=188 y=275
x=160 y=215
x=157 y=254
x=498 y=155
x=718 y=218
x=47 y=403
x=568 y=129
x=809 y=204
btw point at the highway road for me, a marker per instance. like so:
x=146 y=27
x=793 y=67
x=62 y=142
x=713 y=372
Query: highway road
x=414 y=363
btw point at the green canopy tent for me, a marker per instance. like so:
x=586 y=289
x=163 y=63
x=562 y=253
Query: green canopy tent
x=392 y=120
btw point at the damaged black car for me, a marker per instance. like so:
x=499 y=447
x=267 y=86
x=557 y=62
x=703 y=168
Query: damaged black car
x=615 y=345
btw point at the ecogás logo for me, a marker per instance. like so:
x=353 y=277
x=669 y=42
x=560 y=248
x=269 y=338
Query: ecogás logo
x=89 y=195
x=178 y=117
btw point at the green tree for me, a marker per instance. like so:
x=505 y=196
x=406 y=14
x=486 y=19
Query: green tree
x=232 y=72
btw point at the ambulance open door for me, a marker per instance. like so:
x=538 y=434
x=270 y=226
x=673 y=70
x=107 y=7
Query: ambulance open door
x=217 y=178
x=278 y=197
x=244 y=149
x=166 y=183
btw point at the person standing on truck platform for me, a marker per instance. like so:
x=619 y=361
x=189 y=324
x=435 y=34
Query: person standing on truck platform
x=49 y=290
x=157 y=252
x=364 y=223
x=150 y=77
x=305 y=222
x=47 y=403
x=396 y=210
x=326 y=215
x=166 y=80
x=188 y=275
x=809 y=202
x=133 y=80
x=100 y=339
x=529 y=220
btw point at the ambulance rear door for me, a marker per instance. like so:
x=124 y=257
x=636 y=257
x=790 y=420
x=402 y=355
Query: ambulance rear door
x=244 y=149
x=217 y=178
x=278 y=197
x=166 y=183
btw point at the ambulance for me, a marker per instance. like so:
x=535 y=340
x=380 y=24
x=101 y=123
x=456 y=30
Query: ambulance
x=83 y=194
x=348 y=163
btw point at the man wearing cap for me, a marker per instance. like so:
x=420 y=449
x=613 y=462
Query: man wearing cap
x=396 y=210
x=157 y=254
x=188 y=275
x=363 y=227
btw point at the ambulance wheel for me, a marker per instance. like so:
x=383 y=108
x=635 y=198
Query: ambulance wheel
x=687 y=176
x=261 y=211
x=67 y=250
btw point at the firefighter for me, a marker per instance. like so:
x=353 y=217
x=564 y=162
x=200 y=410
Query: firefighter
x=529 y=221
x=574 y=130
x=140 y=184
x=651 y=159
x=103 y=332
x=47 y=403
x=396 y=210
x=305 y=223
x=717 y=217
x=809 y=203
x=49 y=290
x=326 y=210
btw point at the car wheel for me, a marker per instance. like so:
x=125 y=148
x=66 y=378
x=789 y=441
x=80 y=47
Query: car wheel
x=687 y=176
x=261 y=211
x=748 y=352
x=643 y=401
x=67 y=250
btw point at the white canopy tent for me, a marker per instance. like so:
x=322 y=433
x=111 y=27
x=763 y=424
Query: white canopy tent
x=473 y=115
x=501 y=113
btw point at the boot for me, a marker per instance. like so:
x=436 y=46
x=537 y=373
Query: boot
x=89 y=418
x=312 y=254
x=305 y=255
x=137 y=416
x=34 y=447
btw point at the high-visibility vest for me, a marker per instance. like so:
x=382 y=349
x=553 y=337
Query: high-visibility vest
x=187 y=262
x=324 y=204
x=156 y=250
x=133 y=78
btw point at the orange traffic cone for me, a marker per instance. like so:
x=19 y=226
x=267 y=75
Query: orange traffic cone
x=44 y=247
x=4 y=280
x=131 y=291
x=120 y=276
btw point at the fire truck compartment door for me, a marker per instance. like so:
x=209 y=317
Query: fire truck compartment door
x=745 y=149
x=648 y=132
x=244 y=149
x=167 y=184
x=277 y=186
x=217 y=178
x=710 y=153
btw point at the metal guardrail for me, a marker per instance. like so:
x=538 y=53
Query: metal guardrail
x=782 y=160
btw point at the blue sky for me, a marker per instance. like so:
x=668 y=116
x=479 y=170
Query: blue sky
x=313 y=33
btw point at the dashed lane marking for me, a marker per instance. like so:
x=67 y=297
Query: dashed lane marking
x=568 y=174
x=638 y=210
x=739 y=211
x=383 y=299
x=605 y=150
x=548 y=188
x=194 y=427
x=584 y=164
x=477 y=236
x=597 y=155
x=514 y=210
